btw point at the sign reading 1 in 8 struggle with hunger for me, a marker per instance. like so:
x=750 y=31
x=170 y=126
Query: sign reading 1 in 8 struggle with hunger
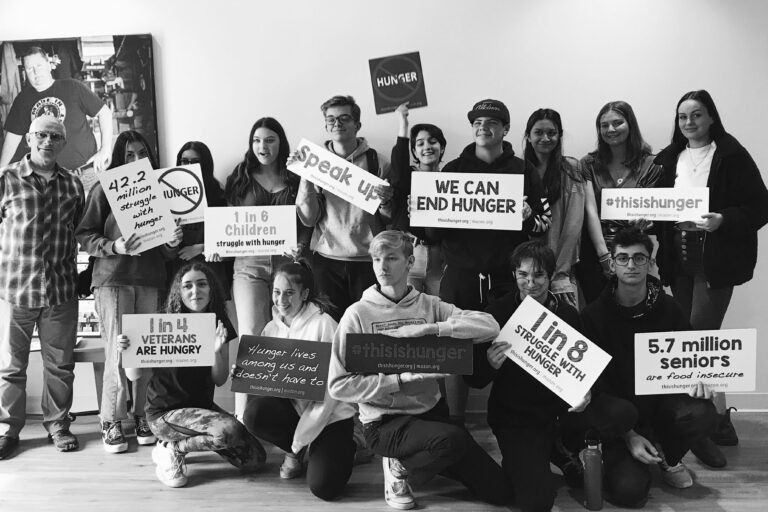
x=552 y=351
x=469 y=201
x=672 y=362
x=183 y=188
x=397 y=79
x=670 y=204
x=250 y=230
x=379 y=353
x=169 y=340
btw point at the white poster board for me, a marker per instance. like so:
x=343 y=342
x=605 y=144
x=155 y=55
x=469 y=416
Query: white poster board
x=668 y=204
x=165 y=340
x=467 y=200
x=250 y=230
x=672 y=362
x=184 y=191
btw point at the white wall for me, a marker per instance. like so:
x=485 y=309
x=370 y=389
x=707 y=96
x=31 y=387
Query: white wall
x=221 y=65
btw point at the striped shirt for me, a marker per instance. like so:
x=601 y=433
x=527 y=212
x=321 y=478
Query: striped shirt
x=38 y=266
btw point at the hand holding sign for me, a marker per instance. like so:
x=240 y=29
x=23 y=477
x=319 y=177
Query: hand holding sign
x=702 y=391
x=123 y=246
x=497 y=354
x=711 y=222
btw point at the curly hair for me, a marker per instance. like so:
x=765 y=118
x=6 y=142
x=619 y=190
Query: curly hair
x=174 y=303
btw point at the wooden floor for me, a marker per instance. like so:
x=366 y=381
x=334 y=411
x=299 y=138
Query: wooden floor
x=38 y=478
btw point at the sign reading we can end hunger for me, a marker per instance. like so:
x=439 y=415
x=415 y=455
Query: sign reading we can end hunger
x=552 y=351
x=282 y=367
x=138 y=204
x=183 y=189
x=250 y=230
x=469 y=201
x=397 y=79
x=167 y=340
x=338 y=176
x=668 y=204
x=672 y=362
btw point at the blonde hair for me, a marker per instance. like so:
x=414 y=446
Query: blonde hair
x=392 y=239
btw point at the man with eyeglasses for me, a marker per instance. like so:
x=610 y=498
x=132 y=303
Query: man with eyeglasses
x=40 y=205
x=635 y=302
x=67 y=100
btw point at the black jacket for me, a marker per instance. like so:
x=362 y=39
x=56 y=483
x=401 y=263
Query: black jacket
x=737 y=191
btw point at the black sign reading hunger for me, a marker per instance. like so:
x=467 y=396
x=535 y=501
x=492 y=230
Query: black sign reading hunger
x=282 y=367
x=397 y=79
x=378 y=353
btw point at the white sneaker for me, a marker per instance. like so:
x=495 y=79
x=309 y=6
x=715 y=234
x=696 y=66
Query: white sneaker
x=678 y=476
x=171 y=468
x=292 y=467
x=397 y=492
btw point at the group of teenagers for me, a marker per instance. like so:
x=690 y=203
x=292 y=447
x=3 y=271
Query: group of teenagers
x=356 y=272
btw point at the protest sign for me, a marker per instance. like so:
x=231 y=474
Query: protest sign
x=183 y=188
x=138 y=204
x=552 y=351
x=397 y=79
x=672 y=362
x=338 y=176
x=469 y=201
x=669 y=204
x=250 y=230
x=166 y=340
x=379 y=353
x=282 y=367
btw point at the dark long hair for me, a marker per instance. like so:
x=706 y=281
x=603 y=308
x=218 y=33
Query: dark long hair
x=213 y=192
x=174 y=304
x=717 y=129
x=300 y=272
x=122 y=141
x=552 y=179
x=240 y=180
x=637 y=148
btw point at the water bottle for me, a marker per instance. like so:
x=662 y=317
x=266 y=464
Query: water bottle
x=592 y=458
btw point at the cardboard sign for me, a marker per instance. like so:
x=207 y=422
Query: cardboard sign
x=669 y=204
x=397 y=79
x=469 y=201
x=672 y=362
x=166 y=340
x=282 y=367
x=378 y=353
x=137 y=203
x=552 y=351
x=183 y=188
x=338 y=176
x=250 y=230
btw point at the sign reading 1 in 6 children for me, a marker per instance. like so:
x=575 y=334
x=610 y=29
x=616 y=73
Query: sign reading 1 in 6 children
x=138 y=204
x=337 y=176
x=672 y=362
x=250 y=230
x=552 y=351
x=169 y=340
x=183 y=188
x=670 y=204
x=470 y=201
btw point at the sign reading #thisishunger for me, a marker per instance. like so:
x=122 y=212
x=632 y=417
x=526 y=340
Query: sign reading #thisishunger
x=668 y=204
x=166 y=340
x=379 y=353
x=397 y=79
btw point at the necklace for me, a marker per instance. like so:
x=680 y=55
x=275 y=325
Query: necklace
x=619 y=181
x=694 y=163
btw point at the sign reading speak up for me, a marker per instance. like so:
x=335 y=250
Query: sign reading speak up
x=397 y=79
x=379 y=353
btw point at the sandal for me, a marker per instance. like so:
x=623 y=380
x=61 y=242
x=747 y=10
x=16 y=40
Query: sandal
x=64 y=440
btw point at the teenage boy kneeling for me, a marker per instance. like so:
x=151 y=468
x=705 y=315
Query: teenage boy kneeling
x=404 y=418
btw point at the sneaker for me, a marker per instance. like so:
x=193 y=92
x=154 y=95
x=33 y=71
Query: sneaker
x=397 y=492
x=64 y=440
x=708 y=453
x=144 y=435
x=292 y=467
x=112 y=437
x=8 y=445
x=569 y=463
x=725 y=433
x=677 y=476
x=171 y=468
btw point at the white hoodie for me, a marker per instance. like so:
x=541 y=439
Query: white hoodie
x=314 y=325
x=380 y=394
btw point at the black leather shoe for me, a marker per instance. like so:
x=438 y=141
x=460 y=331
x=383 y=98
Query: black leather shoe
x=8 y=445
x=708 y=453
x=725 y=433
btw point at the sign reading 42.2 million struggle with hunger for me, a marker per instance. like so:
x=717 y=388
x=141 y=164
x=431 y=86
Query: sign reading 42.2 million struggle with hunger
x=250 y=230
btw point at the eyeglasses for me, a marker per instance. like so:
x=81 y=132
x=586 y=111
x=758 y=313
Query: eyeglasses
x=639 y=260
x=343 y=119
x=187 y=161
x=55 y=137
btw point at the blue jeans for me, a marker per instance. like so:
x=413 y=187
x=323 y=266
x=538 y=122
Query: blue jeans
x=57 y=329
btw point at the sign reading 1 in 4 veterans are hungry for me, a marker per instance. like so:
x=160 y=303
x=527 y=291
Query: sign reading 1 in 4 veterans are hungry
x=138 y=204
x=397 y=79
x=668 y=204
x=183 y=189
x=337 y=176
x=552 y=351
x=672 y=362
x=282 y=367
x=166 y=340
x=250 y=230
x=467 y=200
x=379 y=353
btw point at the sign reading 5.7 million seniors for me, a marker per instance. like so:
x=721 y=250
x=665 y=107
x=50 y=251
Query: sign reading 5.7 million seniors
x=250 y=230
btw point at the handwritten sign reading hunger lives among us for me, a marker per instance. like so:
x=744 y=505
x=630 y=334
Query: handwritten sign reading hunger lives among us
x=282 y=367
x=165 y=340
x=552 y=351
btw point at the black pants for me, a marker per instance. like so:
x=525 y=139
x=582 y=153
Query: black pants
x=343 y=281
x=474 y=289
x=329 y=457
x=608 y=416
x=428 y=445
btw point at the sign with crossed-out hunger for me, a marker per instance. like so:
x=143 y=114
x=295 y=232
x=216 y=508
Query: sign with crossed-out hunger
x=184 y=192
